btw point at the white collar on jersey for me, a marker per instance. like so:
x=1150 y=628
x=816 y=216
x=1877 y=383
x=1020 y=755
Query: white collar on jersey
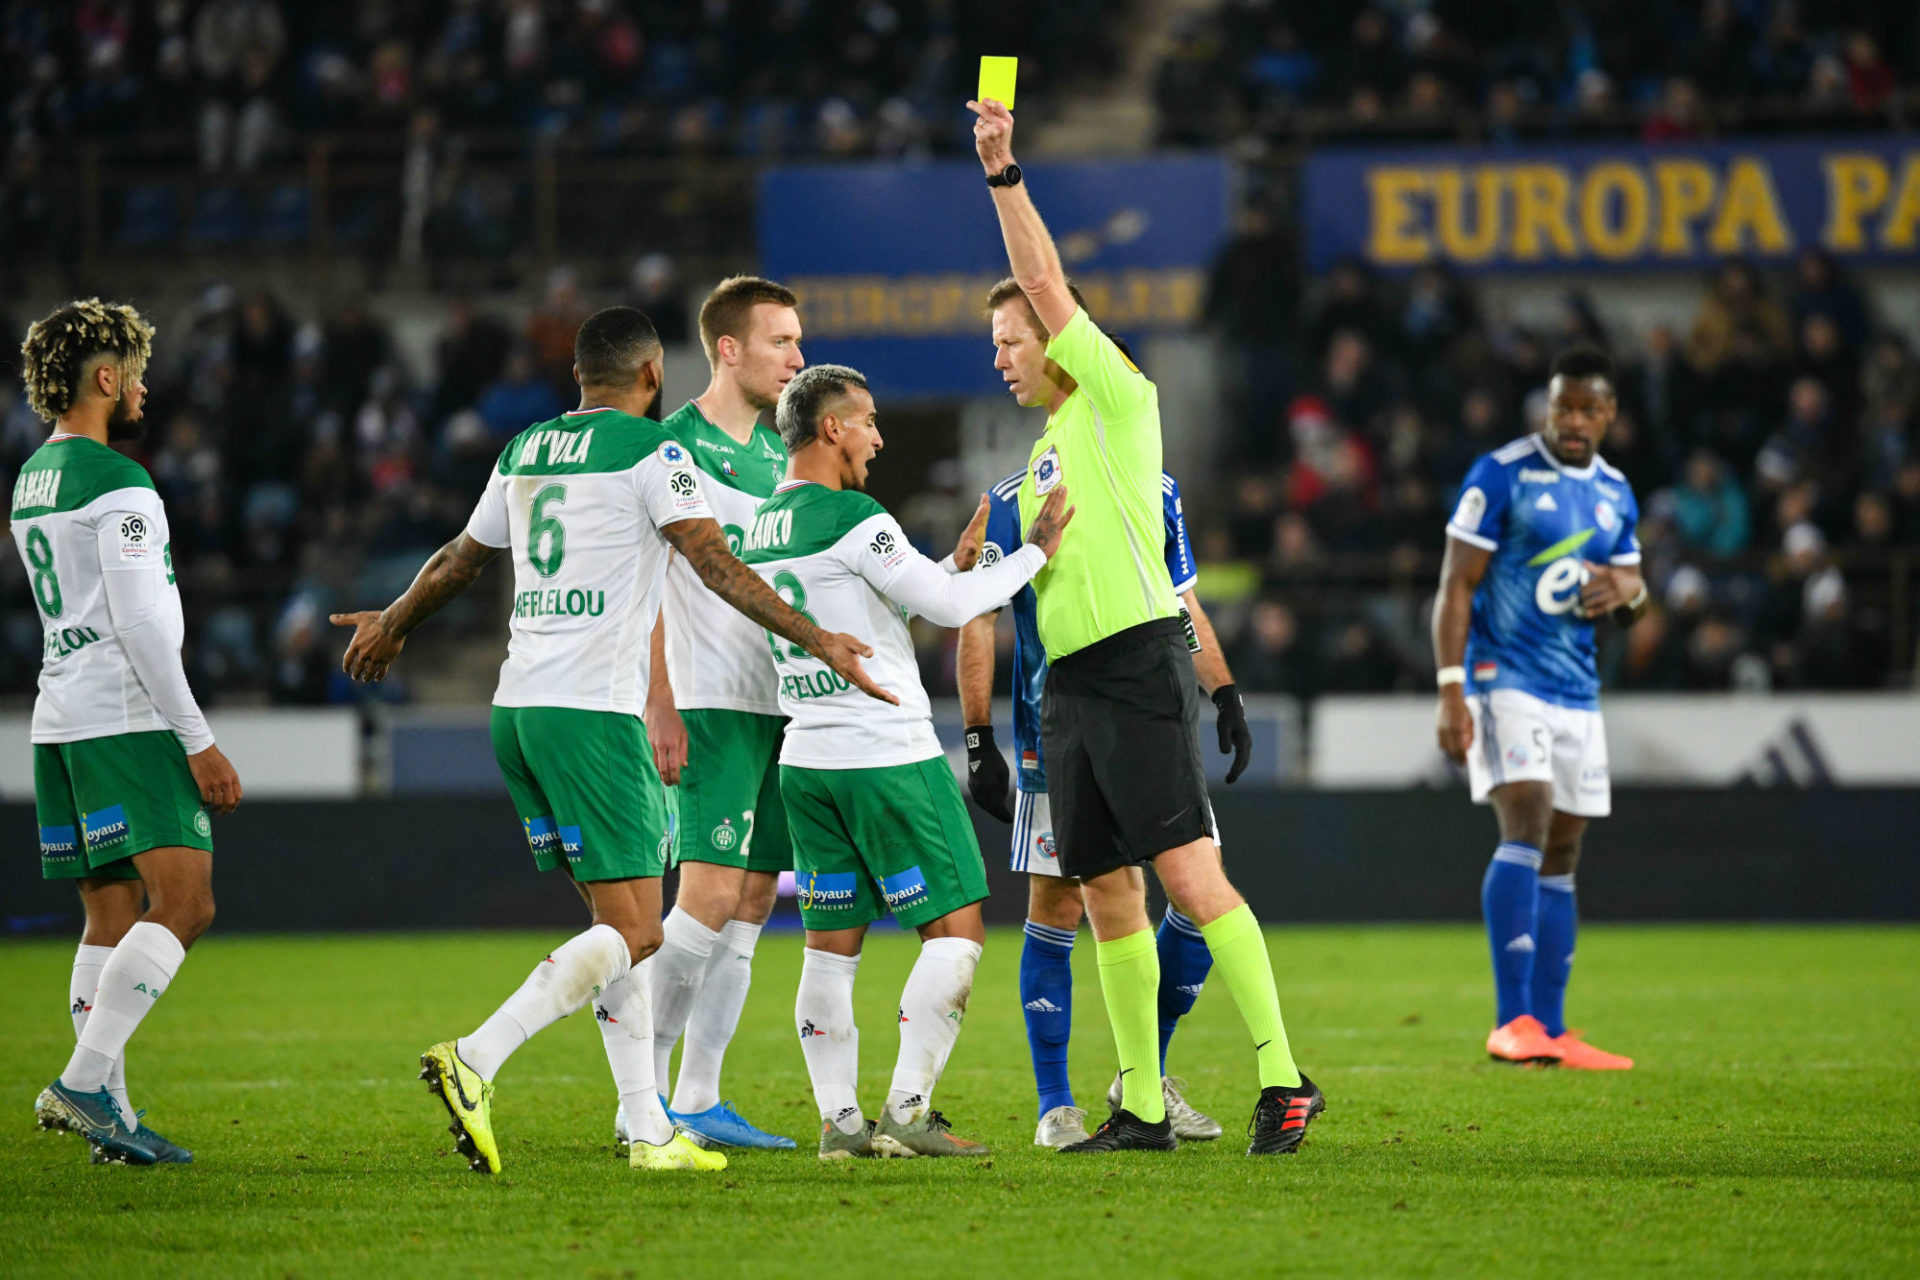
x=1577 y=473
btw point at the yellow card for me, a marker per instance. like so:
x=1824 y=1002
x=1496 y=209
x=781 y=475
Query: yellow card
x=996 y=80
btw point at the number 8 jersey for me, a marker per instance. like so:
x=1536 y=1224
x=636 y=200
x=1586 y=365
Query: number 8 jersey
x=1543 y=522
x=581 y=501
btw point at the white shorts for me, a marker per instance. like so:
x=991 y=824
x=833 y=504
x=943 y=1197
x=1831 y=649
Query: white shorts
x=1034 y=849
x=1520 y=738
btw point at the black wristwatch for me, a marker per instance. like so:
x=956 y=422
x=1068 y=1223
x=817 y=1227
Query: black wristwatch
x=1007 y=177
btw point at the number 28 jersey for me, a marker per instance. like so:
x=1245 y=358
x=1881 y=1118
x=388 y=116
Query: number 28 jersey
x=1543 y=522
x=581 y=501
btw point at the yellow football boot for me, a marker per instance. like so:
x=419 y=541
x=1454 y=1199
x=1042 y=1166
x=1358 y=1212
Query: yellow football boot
x=678 y=1152
x=469 y=1100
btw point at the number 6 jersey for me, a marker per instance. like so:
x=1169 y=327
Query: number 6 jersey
x=581 y=501
x=1544 y=522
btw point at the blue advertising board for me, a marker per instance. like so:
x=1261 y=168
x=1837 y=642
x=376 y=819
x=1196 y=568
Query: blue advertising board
x=1620 y=206
x=893 y=261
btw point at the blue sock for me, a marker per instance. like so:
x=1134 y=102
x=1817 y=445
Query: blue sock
x=1508 y=900
x=1184 y=965
x=1553 y=962
x=1046 y=991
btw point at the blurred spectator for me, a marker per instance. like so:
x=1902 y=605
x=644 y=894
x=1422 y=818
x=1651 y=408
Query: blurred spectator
x=1271 y=657
x=551 y=329
x=1709 y=511
x=518 y=399
x=654 y=287
x=469 y=356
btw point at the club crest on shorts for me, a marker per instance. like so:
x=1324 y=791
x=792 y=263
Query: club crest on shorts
x=724 y=837
x=1048 y=846
x=1046 y=471
x=201 y=824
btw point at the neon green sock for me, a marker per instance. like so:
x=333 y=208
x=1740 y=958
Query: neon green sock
x=1130 y=980
x=1240 y=956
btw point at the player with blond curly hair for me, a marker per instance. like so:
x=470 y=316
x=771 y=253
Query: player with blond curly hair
x=124 y=765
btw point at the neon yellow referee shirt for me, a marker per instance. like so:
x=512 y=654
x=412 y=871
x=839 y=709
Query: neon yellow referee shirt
x=1103 y=443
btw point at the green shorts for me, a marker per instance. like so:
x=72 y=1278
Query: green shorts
x=866 y=841
x=729 y=793
x=102 y=800
x=585 y=788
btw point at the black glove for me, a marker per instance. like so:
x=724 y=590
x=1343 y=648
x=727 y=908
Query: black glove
x=987 y=776
x=1234 y=734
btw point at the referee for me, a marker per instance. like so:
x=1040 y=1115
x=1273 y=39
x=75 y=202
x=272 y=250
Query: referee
x=1118 y=717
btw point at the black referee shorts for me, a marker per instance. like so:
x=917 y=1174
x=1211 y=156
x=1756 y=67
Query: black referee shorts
x=1119 y=724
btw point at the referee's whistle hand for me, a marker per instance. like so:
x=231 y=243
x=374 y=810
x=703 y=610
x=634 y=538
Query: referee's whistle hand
x=843 y=653
x=1051 y=522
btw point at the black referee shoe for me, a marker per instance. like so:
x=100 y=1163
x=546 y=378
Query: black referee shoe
x=1281 y=1117
x=1125 y=1131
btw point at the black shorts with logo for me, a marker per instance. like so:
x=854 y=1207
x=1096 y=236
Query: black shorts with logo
x=1119 y=725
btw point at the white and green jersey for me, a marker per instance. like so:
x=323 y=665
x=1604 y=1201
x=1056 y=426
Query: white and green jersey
x=715 y=652
x=93 y=536
x=836 y=556
x=581 y=501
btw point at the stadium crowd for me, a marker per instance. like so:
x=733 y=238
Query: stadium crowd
x=1499 y=70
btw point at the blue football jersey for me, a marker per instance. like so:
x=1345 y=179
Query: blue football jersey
x=1543 y=522
x=1029 y=655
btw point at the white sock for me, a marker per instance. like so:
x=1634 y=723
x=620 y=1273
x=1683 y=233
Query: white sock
x=138 y=972
x=829 y=1041
x=931 y=1007
x=87 y=963
x=578 y=970
x=625 y=1013
x=677 y=968
x=716 y=1015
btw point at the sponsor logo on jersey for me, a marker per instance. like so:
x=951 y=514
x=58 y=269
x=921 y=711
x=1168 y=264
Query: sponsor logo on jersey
x=685 y=490
x=727 y=467
x=1536 y=475
x=61 y=641
x=136 y=539
x=904 y=889
x=826 y=890
x=672 y=455
x=808 y=1030
x=570 y=843
x=542 y=834
x=1473 y=505
x=106 y=827
x=1545 y=502
x=818 y=684
x=37 y=489
x=1046 y=471
x=58 y=844
x=1605 y=516
x=889 y=552
x=724 y=837
x=991 y=554
x=548 y=602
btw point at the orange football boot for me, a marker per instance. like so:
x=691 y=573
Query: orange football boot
x=1525 y=1040
x=1578 y=1054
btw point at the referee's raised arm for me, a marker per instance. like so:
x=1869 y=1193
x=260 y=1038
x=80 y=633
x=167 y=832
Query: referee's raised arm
x=1030 y=250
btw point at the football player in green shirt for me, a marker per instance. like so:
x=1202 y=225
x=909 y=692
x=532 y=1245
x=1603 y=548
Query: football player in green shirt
x=1119 y=714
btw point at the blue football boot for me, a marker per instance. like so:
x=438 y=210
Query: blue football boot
x=721 y=1126
x=94 y=1116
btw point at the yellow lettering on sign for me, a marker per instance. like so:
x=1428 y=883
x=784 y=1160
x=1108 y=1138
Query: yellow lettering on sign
x=1397 y=238
x=1457 y=241
x=1606 y=239
x=1686 y=191
x=1541 y=193
x=1897 y=231
x=1749 y=210
x=1856 y=186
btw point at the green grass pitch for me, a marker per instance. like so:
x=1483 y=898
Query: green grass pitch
x=1768 y=1128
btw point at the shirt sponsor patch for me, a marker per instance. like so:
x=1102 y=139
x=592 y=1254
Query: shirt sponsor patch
x=1046 y=471
x=1473 y=505
x=890 y=551
x=685 y=490
x=990 y=554
x=106 y=827
x=571 y=844
x=57 y=844
x=136 y=539
x=904 y=889
x=826 y=891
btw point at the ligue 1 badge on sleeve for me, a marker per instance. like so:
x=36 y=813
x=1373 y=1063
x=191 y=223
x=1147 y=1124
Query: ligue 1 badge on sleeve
x=1046 y=471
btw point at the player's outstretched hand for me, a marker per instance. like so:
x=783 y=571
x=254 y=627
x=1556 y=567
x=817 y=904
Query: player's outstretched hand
x=992 y=134
x=1235 y=736
x=372 y=649
x=1456 y=725
x=213 y=774
x=972 y=538
x=667 y=735
x=843 y=653
x=988 y=779
x=1051 y=522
